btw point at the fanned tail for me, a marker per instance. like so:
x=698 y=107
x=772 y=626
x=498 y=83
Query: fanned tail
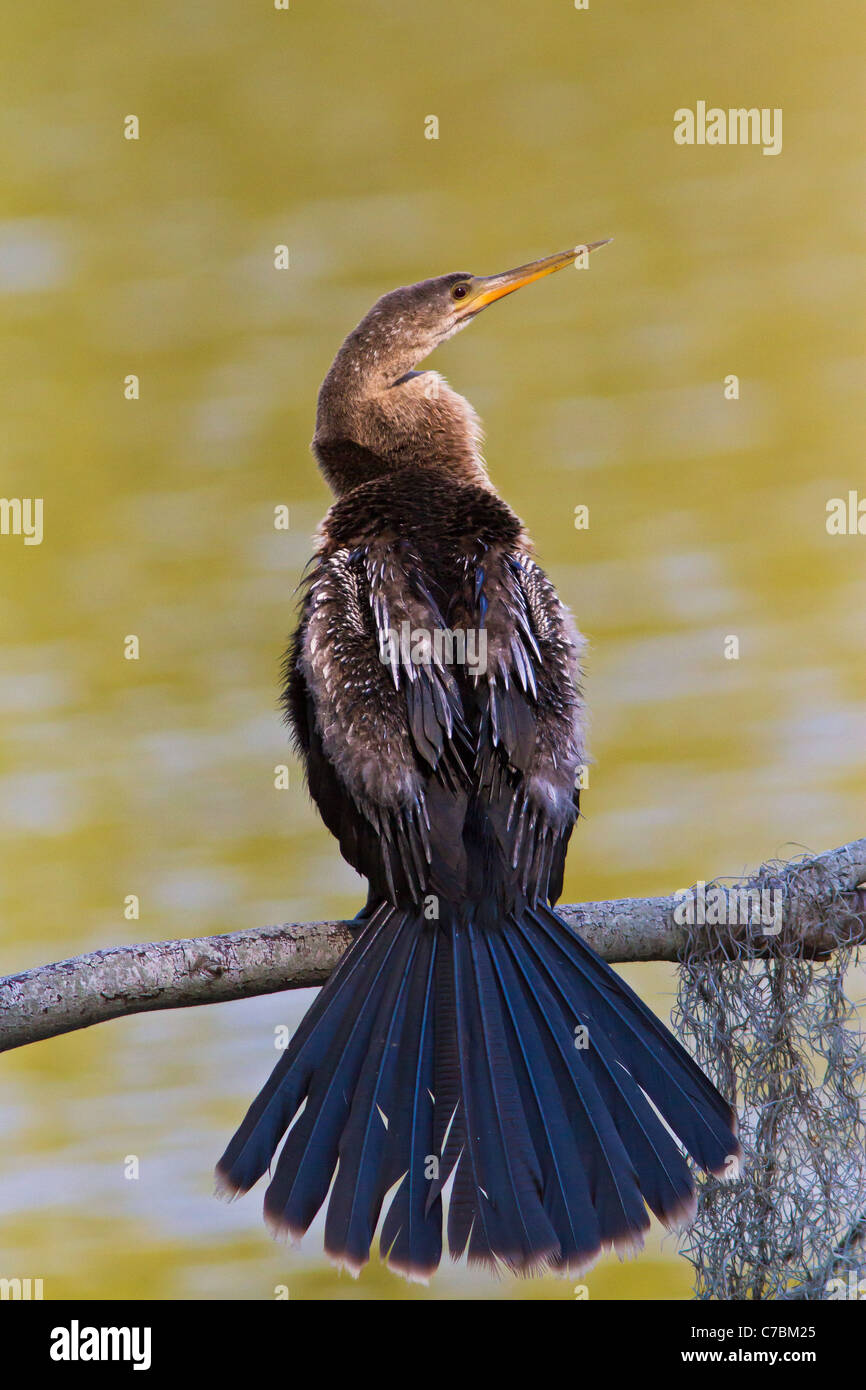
x=510 y=1058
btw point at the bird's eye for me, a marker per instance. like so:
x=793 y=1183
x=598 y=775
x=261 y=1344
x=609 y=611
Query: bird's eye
x=459 y=291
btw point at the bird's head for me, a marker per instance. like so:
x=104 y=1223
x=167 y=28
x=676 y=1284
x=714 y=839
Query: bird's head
x=374 y=399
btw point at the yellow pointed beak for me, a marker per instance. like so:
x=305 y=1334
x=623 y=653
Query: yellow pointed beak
x=484 y=289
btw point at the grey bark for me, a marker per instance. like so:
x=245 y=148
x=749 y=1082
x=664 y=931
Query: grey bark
x=121 y=980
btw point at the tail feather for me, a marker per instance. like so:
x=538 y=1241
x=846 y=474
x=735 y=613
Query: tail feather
x=567 y=1198
x=412 y=1231
x=362 y=1175
x=448 y=1110
x=688 y=1101
x=509 y=1166
x=251 y=1149
x=449 y=1048
x=471 y=1217
x=306 y=1165
x=661 y=1171
x=612 y=1178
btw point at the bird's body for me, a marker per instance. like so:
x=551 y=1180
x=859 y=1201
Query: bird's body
x=433 y=689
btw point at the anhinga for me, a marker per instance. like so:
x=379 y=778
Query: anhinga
x=468 y=1033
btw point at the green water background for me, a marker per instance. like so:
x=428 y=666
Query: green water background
x=603 y=388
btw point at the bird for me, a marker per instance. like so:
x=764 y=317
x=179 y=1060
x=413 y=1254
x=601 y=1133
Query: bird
x=471 y=1071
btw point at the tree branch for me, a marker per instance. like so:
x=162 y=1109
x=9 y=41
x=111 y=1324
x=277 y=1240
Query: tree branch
x=102 y=985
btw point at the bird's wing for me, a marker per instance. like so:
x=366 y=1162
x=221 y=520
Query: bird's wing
x=382 y=734
x=530 y=732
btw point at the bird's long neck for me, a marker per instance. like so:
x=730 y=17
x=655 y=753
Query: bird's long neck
x=376 y=415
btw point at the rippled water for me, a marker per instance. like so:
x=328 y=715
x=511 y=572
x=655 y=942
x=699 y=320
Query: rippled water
x=707 y=516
